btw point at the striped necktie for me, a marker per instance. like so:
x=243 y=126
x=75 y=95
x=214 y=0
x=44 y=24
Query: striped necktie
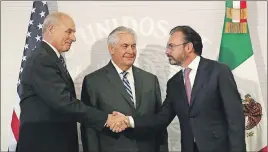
x=127 y=85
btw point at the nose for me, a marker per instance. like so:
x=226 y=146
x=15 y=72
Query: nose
x=73 y=38
x=167 y=51
x=130 y=50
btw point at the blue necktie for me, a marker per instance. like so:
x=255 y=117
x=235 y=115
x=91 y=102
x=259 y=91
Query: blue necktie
x=127 y=84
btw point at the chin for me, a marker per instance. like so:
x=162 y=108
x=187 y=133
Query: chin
x=130 y=63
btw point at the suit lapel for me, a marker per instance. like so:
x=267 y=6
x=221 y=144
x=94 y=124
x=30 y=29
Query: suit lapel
x=138 y=85
x=116 y=81
x=200 y=79
x=181 y=92
x=64 y=71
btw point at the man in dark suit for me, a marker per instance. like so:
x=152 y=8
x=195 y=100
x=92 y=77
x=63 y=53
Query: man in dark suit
x=203 y=95
x=49 y=108
x=120 y=86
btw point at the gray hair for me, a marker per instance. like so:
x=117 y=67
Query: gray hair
x=113 y=36
x=53 y=18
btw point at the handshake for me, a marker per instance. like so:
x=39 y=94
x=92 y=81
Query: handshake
x=117 y=122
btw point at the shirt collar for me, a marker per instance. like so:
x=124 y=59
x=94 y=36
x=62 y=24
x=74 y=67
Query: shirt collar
x=119 y=71
x=194 y=64
x=53 y=48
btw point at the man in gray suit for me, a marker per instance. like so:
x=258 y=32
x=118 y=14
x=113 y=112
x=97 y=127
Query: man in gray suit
x=120 y=86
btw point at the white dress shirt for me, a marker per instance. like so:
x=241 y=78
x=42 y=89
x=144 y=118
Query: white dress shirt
x=53 y=48
x=194 y=66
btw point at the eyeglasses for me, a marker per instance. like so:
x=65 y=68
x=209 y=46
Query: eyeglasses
x=170 y=46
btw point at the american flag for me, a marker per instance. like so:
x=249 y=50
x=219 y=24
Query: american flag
x=33 y=38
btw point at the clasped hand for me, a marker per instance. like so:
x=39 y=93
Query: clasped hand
x=117 y=122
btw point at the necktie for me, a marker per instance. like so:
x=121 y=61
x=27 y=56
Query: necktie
x=62 y=61
x=187 y=84
x=64 y=65
x=127 y=85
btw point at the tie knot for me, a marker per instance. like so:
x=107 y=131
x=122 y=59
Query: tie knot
x=187 y=72
x=124 y=73
x=61 y=59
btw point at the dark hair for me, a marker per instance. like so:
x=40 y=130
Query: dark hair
x=190 y=35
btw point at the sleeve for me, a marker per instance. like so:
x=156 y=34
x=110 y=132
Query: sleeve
x=162 y=137
x=233 y=110
x=156 y=122
x=52 y=89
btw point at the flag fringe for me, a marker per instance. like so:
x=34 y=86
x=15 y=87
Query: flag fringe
x=236 y=13
x=231 y=27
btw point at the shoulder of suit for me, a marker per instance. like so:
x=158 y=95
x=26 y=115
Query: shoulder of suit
x=143 y=72
x=217 y=64
x=40 y=55
x=96 y=73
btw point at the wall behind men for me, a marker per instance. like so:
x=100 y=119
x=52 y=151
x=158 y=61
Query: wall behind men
x=151 y=20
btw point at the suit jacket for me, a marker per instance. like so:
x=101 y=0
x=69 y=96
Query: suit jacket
x=214 y=119
x=49 y=108
x=104 y=90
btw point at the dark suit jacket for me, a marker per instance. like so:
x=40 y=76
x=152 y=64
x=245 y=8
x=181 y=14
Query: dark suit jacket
x=215 y=116
x=49 y=108
x=104 y=90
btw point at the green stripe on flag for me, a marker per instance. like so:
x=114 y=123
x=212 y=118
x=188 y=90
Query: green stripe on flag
x=235 y=47
x=229 y=3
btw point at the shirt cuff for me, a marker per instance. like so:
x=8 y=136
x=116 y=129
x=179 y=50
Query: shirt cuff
x=131 y=122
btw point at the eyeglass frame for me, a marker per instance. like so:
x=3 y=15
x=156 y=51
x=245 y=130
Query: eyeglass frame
x=173 y=46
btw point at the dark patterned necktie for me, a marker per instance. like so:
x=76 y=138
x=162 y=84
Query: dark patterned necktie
x=62 y=61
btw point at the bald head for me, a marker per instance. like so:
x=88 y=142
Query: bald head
x=54 y=18
x=59 y=30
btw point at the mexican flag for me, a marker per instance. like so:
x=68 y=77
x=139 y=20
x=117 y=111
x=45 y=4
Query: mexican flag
x=237 y=52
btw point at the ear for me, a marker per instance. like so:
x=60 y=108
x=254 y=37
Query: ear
x=111 y=49
x=51 y=29
x=189 y=47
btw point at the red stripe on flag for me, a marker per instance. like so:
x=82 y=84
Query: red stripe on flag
x=243 y=4
x=15 y=125
x=264 y=149
x=243 y=20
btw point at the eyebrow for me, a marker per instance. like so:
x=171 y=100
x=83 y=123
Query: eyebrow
x=69 y=29
x=128 y=44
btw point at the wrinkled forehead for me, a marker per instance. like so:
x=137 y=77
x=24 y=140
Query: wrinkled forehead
x=126 y=38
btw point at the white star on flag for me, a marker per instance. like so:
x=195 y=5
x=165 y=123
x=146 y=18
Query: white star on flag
x=19 y=82
x=40 y=26
x=26 y=46
x=42 y=14
x=38 y=38
x=33 y=10
x=28 y=34
x=31 y=22
x=44 y=2
x=21 y=69
x=24 y=58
